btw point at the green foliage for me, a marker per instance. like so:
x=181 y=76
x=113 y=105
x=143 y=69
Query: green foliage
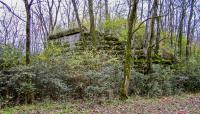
x=167 y=81
x=118 y=28
x=57 y=29
x=86 y=23
x=153 y=85
x=56 y=74
x=10 y=57
x=101 y=72
x=16 y=83
x=165 y=43
x=24 y=84
x=51 y=53
x=139 y=35
x=187 y=76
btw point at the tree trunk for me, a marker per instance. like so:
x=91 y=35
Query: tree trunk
x=92 y=24
x=100 y=18
x=76 y=12
x=127 y=66
x=142 y=9
x=149 y=51
x=28 y=23
x=50 y=8
x=180 y=34
x=188 y=46
x=171 y=22
x=106 y=10
x=146 y=34
x=158 y=34
x=193 y=32
x=107 y=15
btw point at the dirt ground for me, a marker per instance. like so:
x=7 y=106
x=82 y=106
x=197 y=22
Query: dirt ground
x=185 y=104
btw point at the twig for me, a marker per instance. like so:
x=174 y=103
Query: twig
x=9 y=9
x=158 y=42
x=139 y=26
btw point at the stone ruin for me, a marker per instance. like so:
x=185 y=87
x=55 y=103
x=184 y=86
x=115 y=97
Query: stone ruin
x=83 y=41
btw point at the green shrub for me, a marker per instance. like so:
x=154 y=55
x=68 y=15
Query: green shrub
x=118 y=28
x=25 y=84
x=167 y=81
x=16 y=83
x=58 y=73
x=10 y=57
x=152 y=85
x=101 y=73
x=187 y=76
x=71 y=74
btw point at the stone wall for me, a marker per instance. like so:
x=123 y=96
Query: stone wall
x=112 y=45
x=106 y=43
x=71 y=40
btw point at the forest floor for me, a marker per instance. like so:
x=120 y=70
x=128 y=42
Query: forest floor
x=184 y=104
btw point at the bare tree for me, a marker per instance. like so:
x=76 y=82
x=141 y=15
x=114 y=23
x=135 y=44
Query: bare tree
x=53 y=18
x=76 y=12
x=6 y=27
x=92 y=24
x=188 y=46
x=44 y=32
x=171 y=11
x=28 y=24
x=158 y=32
x=181 y=25
x=146 y=34
x=149 y=51
x=10 y=10
x=106 y=10
x=142 y=9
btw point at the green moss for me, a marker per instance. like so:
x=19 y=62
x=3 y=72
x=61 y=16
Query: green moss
x=64 y=33
x=157 y=61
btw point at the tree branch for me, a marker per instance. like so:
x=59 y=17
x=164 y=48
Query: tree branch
x=158 y=42
x=139 y=26
x=10 y=10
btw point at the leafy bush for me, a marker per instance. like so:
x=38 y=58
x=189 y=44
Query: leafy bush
x=187 y=76
x=24 y=84
x=102 y=72
x=166 y=81
x=118 y=28
x=58 y=73
x=10 y=57
x=152 y=85
x=72 y=74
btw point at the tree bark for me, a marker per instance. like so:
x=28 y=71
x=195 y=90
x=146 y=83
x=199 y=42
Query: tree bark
x=142 y=9
x=92 y=24
x=171 y=22
x=180 y=33
x=106 y=10
x=150 y=47
x=127 y=66
x=158 y=33
x=28 y=24
x=146 y=34
x=53 y=19
x=188 y=46
x=100 y=16
x=76 y=12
